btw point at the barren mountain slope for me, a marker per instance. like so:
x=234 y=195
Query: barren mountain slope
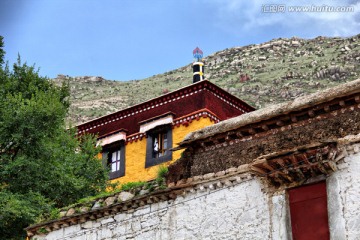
x=261 y=74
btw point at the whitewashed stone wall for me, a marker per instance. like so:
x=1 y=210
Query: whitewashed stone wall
x=242 y=211
x=343 y=188
x=237 y=212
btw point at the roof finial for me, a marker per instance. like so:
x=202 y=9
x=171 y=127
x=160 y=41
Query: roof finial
x=198 y=65
x=198 y=54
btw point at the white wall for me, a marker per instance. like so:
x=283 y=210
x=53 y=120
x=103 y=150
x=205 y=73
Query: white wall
x=343 y=188
x=242 y=211
x=236 y=212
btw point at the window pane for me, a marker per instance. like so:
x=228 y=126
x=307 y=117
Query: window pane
x=115 y=161
x=156 y=144
x=165 y=142
x=113 y=157
x=113 y=167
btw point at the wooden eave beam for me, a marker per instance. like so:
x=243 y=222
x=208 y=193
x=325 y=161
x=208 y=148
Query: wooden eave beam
x=311 y=113
x=275 y=177
x=267 y=166
x=293 y=160
x=322 y=169
x=357 y=99
x=293 y=119
x=299 y=173
x=331 y=165
x=259 y=170
x=239 y=134
x=280 y=123
x=327 y=108
x=265 y=127
x=251 y=131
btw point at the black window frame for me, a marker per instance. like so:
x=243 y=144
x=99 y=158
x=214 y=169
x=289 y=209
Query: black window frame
x=150 y=135
x=106 y=158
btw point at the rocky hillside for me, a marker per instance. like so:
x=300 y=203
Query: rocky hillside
x=261 y=74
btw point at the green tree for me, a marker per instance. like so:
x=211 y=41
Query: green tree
x=2 y=52
x=42 y=165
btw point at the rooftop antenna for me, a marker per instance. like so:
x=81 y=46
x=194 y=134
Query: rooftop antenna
x=198 y=65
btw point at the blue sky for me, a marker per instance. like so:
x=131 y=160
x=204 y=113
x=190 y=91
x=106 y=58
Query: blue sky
x=134 y=39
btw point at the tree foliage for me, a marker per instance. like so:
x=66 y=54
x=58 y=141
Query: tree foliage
x=42 y=165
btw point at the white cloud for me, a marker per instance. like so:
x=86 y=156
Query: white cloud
x=239 y=17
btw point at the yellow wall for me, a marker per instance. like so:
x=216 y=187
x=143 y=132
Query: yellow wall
x=135 y=153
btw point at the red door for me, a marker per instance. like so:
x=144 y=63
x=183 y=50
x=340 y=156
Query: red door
x=308 y=210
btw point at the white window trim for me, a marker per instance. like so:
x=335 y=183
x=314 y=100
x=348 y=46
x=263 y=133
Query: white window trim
x=158 y=122
x=111 y=139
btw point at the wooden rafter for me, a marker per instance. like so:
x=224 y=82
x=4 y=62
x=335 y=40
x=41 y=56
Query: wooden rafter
x=296 y=166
